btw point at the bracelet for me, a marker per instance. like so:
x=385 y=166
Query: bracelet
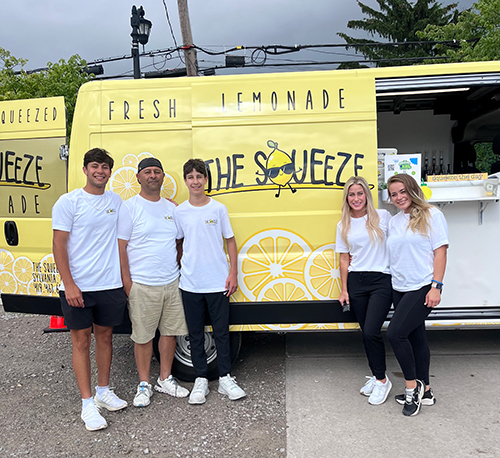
x=438 y=282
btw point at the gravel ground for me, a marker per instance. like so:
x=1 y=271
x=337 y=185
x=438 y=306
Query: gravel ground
x=40 y=404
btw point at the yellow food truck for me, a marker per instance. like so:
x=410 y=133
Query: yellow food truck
x=279 y=148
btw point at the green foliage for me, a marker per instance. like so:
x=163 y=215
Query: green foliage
x=477 y=33
x=485 y=157
x=398 y=21
x=8 y=61
x=350 y=66
x=60 y=79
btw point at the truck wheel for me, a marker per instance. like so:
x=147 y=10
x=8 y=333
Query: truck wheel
x=182 y=367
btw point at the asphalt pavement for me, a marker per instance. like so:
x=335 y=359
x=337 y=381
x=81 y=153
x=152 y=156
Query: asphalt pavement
x=327 y=417
x=303 y=401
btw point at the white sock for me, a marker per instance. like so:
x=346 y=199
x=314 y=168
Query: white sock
x=100 y=390
x=86 y=402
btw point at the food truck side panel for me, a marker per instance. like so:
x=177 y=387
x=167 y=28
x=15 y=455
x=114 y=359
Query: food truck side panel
x=279 y=148
x=32 y=177
x=323 y=127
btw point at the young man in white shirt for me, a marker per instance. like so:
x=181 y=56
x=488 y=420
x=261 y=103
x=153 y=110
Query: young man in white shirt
x=85 y=248
x=206 y=279
x=150 y=272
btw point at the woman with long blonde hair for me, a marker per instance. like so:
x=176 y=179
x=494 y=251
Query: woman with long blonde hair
x=417 y=244
x=364 y=272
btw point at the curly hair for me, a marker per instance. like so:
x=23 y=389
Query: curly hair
x=419 y=208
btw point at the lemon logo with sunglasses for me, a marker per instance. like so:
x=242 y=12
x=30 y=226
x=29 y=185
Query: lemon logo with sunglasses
x=279 y=167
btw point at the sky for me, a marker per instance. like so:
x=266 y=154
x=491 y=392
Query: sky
x=49 y=30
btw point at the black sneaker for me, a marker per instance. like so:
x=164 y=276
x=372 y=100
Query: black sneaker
x=413 y=401
x=428 y=398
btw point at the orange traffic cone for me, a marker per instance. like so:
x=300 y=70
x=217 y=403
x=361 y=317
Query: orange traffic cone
x=56 y=324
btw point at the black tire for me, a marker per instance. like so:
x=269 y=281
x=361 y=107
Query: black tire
x=182 y=367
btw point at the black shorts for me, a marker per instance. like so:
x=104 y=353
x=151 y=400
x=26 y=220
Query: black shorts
x=104 y=308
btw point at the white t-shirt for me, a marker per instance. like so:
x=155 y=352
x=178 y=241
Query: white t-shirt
x=366 y=256
x=92 y=246
x=204 y=264
x=411 y=255
x=150 y=230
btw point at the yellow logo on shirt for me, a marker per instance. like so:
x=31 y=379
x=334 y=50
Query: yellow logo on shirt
x=211 y=222
x=169 y=218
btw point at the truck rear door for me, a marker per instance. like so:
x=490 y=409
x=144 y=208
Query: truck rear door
x=32 y=177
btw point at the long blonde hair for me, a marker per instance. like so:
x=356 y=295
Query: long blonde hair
x=419 y=209
x=372 y=219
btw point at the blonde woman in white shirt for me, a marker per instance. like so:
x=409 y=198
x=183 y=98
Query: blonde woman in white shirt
x=366 y=282
x=417 y=243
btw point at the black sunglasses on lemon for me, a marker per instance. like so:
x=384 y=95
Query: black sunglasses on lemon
x=288 y=169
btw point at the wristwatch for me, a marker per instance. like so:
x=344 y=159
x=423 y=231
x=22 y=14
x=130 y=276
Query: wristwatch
x=437 y=285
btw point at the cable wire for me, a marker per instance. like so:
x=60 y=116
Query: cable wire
x=172 y=30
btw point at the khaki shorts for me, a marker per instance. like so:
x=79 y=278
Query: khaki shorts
x=156 y=307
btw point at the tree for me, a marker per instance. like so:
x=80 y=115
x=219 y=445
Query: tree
x=350 y=65
x=60 y=79
x=398 y=21
x=476 y=32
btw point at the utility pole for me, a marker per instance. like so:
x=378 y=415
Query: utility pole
x=187 y=38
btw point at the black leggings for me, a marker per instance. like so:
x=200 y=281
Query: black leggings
x=370 y=297
x=406 y=333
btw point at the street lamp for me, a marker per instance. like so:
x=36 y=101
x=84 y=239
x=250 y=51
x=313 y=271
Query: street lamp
x=141 y=29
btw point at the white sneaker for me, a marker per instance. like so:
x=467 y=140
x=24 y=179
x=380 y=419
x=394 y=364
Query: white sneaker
x=380 y=392
x=109 y=400
x=229 y=387
x=143 y=395
x=92 y=418
x=171 y=387
x=199 y=391
x=367 y=388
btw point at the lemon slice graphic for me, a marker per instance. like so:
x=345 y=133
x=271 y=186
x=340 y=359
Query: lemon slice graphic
x=23 y=269
x=8 y=284
x=48 y=266
x=6 y=260
x=32 y=290
x=322 y=273
x=270 y=255
x=130 y=160
x=142 y=156
x=284 y=290
x=124 y=183
x=169 y=187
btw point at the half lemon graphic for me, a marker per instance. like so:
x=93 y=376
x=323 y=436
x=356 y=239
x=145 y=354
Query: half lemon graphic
x=270 y=255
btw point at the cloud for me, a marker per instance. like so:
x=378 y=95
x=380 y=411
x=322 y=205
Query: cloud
x=55 y=29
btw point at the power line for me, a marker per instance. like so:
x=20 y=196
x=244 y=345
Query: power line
x=171 y=29
x=282 y=49
x=260 y=54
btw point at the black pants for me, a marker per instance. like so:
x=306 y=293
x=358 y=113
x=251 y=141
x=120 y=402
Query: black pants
x=370 y=297
x=217 y=305
x=406 y=333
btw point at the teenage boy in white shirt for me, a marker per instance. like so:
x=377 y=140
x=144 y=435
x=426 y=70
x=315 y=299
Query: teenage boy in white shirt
x=86 y=253
x=148 y=255
x=206 y=279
